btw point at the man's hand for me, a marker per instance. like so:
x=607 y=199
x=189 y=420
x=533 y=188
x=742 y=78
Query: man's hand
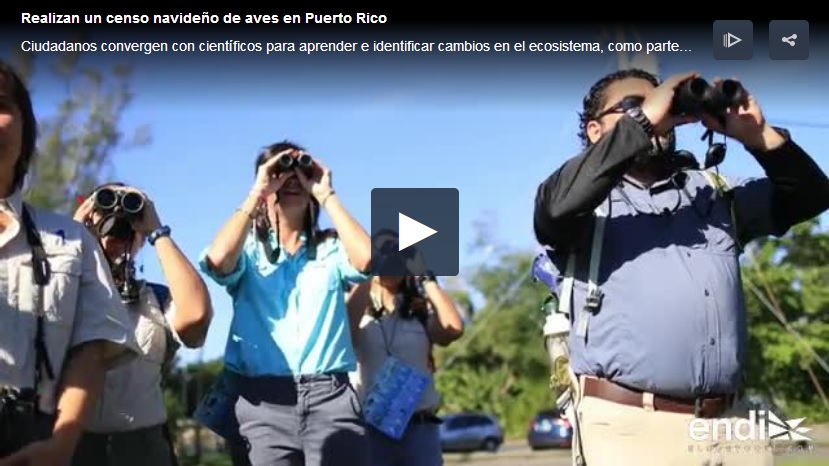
x=657 y=107
x=745 y=123
x=43 y=453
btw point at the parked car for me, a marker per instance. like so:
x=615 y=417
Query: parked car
x=550 y=429
x=471 y=432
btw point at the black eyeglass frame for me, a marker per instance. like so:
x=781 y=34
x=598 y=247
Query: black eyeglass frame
x=627 y=103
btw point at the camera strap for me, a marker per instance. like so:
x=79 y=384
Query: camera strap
x=42 y=274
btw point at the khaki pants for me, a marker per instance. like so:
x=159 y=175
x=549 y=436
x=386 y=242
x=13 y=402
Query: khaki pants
x=612 y=434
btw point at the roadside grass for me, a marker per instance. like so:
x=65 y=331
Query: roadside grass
x=801 y=462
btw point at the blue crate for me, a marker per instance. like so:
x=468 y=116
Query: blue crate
x=394 y=396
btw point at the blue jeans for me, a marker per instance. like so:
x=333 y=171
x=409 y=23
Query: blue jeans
x=420 y=446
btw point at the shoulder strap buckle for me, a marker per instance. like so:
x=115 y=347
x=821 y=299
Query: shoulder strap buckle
x=594 y=300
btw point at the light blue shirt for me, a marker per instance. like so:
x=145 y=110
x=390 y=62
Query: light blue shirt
x=289 y=318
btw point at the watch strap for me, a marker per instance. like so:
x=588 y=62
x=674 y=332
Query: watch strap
x=158 y=233
x=639 y=117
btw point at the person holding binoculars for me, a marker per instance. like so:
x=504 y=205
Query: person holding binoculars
x=61 y=327
x=129 y=424
x=647 y=252
x=289 y=351
x=399 y=319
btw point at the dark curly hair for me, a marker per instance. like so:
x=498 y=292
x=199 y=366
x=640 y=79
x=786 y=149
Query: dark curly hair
x=412 y=304
x=13 y=90
x=596 y=100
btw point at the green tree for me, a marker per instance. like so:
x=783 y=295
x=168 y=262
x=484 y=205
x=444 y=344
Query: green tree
x=787 y=294
x=80 y=136
x=500 y=366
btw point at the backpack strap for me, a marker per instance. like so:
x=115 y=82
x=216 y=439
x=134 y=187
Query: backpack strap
x=162 y=295
x=722 y=188
x=594 y=292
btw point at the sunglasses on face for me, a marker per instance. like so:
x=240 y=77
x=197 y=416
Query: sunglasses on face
x=628 y=103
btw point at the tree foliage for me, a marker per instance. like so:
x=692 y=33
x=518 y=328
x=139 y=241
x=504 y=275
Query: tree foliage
x=501 y=366
x=81 y=135
x=786 y=284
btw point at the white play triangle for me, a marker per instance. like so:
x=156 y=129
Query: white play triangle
x=411 y=231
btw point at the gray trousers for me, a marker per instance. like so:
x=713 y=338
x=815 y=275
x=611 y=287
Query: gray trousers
x=313 y=420
x=420 y=446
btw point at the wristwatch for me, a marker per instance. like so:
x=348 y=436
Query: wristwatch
x=159 y=233
x=639 y=117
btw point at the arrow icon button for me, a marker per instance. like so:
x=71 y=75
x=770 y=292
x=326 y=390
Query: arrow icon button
x=411 y=231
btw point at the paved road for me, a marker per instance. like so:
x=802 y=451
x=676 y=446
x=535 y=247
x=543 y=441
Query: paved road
x=512 y=454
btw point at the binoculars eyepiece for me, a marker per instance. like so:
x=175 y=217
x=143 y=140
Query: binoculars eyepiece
x=697 y=96
x=110 y=199
x=288 y=162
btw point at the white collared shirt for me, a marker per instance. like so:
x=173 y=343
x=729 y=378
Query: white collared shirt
x=80 y=304
x=133 y=397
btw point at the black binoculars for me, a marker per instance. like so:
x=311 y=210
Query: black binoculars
x=288 y=162
x=18 y=421
x=110 y=199
x=697 y=96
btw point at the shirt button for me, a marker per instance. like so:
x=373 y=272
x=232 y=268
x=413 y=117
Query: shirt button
x=707 y=293
x=688 y=254
x=712 y=342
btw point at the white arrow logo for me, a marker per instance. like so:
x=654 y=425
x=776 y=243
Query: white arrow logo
x=787 y=430
x=730 y=40
x=411 y=231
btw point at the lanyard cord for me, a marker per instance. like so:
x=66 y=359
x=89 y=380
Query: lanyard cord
x=681 y=188
x=42 y=273
x=388 y=341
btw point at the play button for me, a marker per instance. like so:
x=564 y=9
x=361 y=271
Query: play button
x=413 y=228
x=411 y=231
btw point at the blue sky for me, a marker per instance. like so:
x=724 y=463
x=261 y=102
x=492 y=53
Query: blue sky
x=494 y=148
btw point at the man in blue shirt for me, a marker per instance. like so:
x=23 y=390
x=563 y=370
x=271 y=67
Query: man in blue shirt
x=290 y=350
x=659 y=327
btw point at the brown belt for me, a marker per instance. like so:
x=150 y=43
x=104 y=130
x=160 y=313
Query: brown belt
x=704 y=407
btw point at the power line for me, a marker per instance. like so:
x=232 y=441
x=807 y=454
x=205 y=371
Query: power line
x=797 y=336
x=778 y=313
x=801 y=124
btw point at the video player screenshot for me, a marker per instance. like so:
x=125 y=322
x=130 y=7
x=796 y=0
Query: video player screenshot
x=281 y=235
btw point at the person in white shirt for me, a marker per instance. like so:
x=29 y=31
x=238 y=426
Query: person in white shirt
x=129 y=424
x=61 y=324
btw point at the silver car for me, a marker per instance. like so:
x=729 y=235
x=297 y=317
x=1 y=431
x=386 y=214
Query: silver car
x=471 y=432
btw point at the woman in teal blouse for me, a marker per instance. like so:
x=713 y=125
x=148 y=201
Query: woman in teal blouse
x=290 y=350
